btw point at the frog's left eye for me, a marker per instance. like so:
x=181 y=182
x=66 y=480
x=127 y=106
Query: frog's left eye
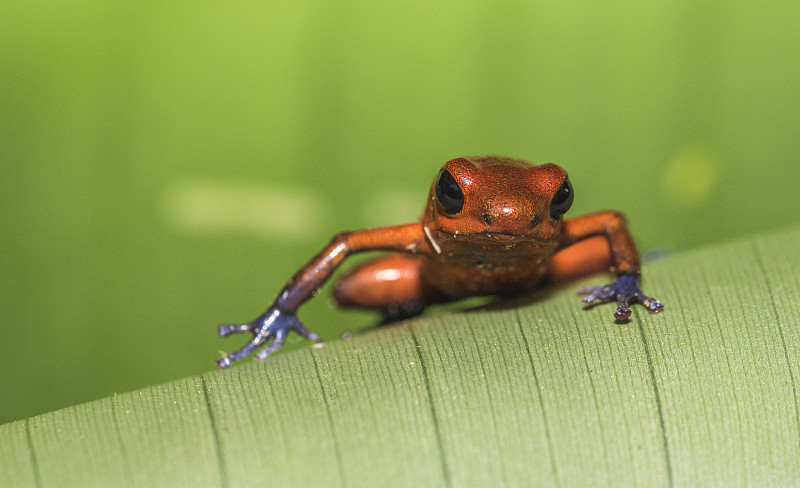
x=449 y=193
x=562 y=200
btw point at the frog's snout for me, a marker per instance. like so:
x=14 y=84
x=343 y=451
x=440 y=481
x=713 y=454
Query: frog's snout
x=508 y=219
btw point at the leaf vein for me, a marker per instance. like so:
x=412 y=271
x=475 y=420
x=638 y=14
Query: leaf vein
x=37 y=475
x=763 y=269
x=659 y=408
x=434 y=417
x=223 y=474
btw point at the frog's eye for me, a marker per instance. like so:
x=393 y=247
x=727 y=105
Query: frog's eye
x=562 y=200
x=449 y=193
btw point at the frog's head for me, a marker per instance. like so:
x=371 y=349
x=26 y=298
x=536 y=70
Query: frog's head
x=498 y=199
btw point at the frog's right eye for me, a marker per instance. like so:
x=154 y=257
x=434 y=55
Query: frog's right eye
x=449 y=193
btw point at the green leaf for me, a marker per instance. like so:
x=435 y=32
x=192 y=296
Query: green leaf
x=535 y=394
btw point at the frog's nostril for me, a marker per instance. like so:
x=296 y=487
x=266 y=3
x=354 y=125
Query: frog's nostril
x=488 y=219
x=534 y=220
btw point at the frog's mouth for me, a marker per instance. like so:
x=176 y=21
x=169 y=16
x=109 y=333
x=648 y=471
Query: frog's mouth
x=490 y=236
x=505 y=236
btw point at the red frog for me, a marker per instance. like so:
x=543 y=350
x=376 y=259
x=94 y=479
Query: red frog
x=492 y=226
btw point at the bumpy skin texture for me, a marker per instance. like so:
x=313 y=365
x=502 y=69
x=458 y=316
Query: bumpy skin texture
x=492 y=226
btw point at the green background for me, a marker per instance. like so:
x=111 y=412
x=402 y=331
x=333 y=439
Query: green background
x=166 y=167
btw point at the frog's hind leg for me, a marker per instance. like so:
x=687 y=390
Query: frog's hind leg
x=391 y=284
x=584 y=258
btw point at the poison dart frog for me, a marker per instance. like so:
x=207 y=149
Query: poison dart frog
x=492 y=226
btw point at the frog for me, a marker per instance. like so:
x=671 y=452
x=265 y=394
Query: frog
x=492 y=226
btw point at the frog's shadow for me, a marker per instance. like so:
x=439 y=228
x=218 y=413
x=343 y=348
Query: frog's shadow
x=492 y=303
x=514 y=300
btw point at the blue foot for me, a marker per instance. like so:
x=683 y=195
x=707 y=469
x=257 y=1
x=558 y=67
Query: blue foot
x=274 y=325
x=624 y=290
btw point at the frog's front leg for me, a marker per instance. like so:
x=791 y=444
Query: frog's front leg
x=623 y=258
x=280 y=318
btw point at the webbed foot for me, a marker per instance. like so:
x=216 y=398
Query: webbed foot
x=624 y=290
x=273 y=324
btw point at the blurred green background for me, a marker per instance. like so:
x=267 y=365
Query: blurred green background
x=166 y=166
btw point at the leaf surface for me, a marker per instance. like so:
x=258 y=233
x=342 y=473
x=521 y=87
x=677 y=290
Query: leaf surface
x=540 y=393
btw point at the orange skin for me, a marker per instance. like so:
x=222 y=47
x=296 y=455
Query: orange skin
x=492 y=226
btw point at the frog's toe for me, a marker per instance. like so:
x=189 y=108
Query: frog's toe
x=277 y=342
x=653 y=305
x=597 y=293
x=301 y=329
x=227 y=329
x=622 y=313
